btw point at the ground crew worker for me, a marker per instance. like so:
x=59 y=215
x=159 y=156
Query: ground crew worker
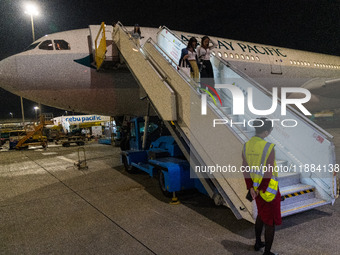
x=262 y=181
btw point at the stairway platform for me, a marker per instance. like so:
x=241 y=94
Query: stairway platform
x=302 y=206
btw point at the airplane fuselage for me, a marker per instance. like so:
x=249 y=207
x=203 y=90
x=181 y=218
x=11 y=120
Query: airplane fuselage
x=66 y=77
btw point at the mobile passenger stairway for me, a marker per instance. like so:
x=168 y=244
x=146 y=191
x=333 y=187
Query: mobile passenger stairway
x=305 y=153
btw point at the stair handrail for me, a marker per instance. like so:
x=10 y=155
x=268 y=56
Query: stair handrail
x=102 y=46
x=269 y=93
x=124 y=28
x=297 y=114
x=264 y=90
x=235 y=129
x=163 y=52
x=146 y=54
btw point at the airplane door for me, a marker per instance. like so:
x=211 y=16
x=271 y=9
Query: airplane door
x=275 y=64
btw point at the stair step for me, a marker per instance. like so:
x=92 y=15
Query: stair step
x=302 y=206
x=295 y=188
x=281 y=162
x=234 y=118
x=288 y=179
x=297 y=193
x=226 y=109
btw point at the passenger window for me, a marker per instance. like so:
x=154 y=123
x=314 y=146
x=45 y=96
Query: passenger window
x=46 y=45
x=61 y=45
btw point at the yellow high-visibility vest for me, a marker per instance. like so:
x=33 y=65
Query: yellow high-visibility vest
x=256 y=152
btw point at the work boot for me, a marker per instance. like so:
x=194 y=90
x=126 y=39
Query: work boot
x=270 y=253
x=258 y=246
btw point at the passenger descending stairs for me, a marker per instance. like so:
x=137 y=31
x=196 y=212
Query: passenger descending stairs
x=177 y=99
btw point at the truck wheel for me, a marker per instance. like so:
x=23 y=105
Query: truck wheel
x=128 y=168
x=125 y=144
x=161 y=181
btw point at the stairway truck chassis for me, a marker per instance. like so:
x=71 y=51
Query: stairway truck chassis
x=162 y=159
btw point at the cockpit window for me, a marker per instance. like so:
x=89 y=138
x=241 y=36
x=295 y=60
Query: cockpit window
x=32 y=46
x=61 y=45
x=46 y=45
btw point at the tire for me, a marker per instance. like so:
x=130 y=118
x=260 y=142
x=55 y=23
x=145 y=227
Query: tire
x=125 y=144
x=161 y=181
x=128 y=168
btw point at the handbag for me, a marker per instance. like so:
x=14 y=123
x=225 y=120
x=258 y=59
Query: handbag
x=200 y=60
x=249 y=197
x=184 y=68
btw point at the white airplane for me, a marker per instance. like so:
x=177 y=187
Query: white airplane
x=57 y=70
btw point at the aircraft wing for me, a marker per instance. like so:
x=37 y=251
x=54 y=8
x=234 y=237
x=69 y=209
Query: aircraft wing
x=324 y=87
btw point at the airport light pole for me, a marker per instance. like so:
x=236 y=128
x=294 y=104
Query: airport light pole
x=36 y=108
x=32 y=10
x=22 y=112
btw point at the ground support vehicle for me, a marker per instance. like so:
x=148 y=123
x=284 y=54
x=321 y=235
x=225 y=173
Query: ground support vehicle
x=68 y=140
x=161 y=158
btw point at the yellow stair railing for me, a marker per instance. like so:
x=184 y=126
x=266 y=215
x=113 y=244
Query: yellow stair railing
x=101 y=48
x=36 y=130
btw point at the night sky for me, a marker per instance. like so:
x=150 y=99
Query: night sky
x=306 y=25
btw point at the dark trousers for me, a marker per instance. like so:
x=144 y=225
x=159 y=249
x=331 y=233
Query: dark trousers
x=207 y=75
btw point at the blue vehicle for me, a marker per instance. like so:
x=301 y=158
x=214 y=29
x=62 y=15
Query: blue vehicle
x=159 y=156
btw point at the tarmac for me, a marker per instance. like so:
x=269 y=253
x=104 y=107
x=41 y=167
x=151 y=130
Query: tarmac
x=49 y=206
